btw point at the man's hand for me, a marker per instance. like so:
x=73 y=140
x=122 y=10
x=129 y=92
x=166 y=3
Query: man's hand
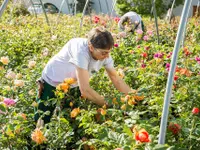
x=86 y=90
x=117 y=81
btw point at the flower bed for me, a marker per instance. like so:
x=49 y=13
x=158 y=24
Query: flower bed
x=133 y=122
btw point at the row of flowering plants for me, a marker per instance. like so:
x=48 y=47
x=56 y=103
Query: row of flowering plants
x=133 y=121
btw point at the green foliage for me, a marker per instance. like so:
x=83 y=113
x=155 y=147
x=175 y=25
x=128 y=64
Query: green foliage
x=143 y=7
x=18 y=10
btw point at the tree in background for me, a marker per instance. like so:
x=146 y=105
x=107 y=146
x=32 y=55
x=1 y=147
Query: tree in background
x=144 y=6
x=15 y=8
x=80 y=6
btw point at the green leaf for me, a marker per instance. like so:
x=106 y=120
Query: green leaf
x=161 y=147
x=112 y=135
x=2 y=107
x=121 y=139
x=127 y=130
x=47 y=113
x=64 y=120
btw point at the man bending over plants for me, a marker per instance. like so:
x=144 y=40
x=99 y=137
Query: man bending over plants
x=130 y=22
x=78 y=60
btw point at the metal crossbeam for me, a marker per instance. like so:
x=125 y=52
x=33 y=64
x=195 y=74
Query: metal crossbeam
x=45 y=14
x=100 y=6
x=170 y=16
x=83 y=14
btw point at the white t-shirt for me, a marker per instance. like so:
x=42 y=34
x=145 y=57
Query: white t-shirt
x=74 y=53
x=134 y=17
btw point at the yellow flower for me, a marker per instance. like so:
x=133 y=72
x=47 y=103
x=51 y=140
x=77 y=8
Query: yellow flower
x=75 y=112
x=37 y=136
x=104 y=106
x=64 y=86
x=102 y=111
x=158 y=60
x=130 y=99
x=19 y=76
x=58 y=87
x=70 y=80
x=65 y=91
x=114 y=101
x=34 y=104
x=31 y=64
x=7 y=88
x=122 y=99
x=1 y=99
x=71 y=104
x=138 y=98
x=5 y=60
x=123 y=107
x=9 y=132
x=31 y=92
x=1 y=67
x=19 y=83
x=23 y=116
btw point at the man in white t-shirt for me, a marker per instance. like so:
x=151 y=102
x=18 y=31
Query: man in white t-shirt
x=78 y=59
x=130 y=22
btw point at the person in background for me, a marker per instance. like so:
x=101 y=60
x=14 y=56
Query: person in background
x=130 y=22
x=79 y=59
x=170 y=16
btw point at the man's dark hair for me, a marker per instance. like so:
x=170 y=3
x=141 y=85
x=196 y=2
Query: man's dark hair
x=100 y=38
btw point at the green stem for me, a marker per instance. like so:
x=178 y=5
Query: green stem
x=192 y=129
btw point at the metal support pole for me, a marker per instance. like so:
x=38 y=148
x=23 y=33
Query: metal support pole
x=113 y=6
x=170 y=80
x=111 y=20
x=83 y=14
x=100 y=6
x=184 y=32
x=67 y=2
x=170 y=16
x=90 y=14
x=151 y=10
x=11 y=10
x=3 y=7
x=156 y=21
x=75 y=6
x=107 y=6
x=45 y=14
x=61 y=6
x=32 y=4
